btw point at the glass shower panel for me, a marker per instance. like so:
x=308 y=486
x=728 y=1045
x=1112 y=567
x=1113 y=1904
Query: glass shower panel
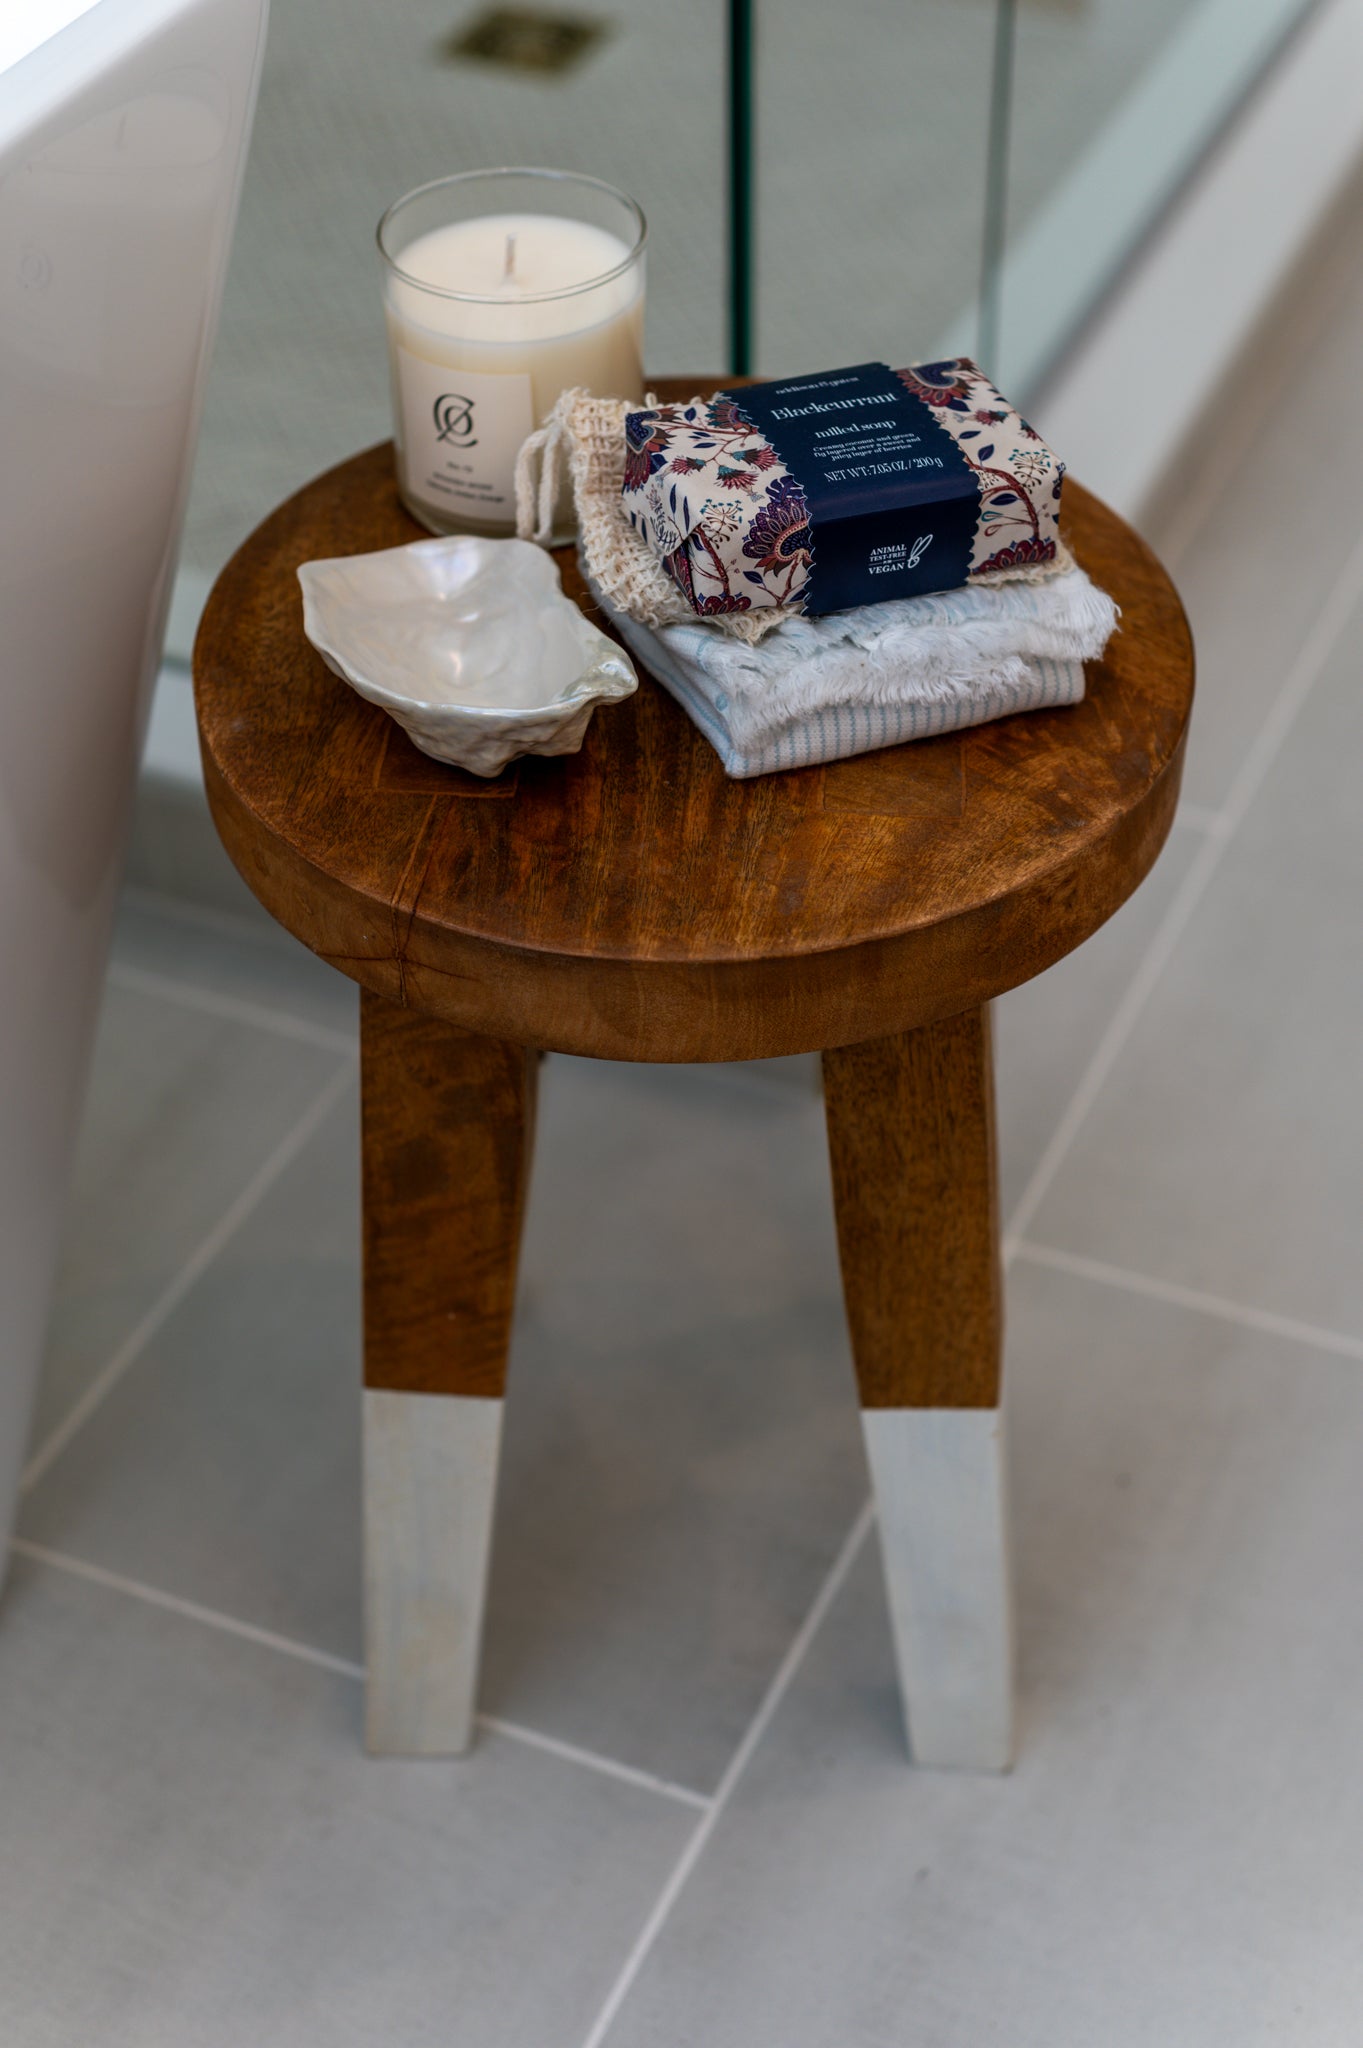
x=895 y=159
x=358 y=104
x=1111 y=106
x=872 y=128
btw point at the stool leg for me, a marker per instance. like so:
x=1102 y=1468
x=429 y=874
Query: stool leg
x=447 y=1130
x=911 y=1138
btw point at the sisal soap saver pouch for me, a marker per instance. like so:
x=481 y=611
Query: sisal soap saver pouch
x=850 y=487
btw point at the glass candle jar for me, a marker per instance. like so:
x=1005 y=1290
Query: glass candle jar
x=502 y=289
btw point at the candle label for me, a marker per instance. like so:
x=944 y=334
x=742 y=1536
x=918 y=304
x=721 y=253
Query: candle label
x=461 y=433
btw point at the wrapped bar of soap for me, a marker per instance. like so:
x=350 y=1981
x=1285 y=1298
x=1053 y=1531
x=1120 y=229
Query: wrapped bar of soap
x=843 y=488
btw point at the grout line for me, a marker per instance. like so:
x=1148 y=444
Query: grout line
x=191 y=996
x=738 y=1763
x=285 y=1152
x=305 y=1653
x=628 y=1774
x=189 y=1610
x=1315 y=651
x=1178 y=1296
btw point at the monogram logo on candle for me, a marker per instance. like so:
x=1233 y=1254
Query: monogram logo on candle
x=454 y=420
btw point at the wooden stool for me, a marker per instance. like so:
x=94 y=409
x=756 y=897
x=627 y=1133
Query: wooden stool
x=630 y=903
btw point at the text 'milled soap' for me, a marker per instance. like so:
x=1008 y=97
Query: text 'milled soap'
x=844 y=488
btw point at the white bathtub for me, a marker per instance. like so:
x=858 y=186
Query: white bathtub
x=122 y=137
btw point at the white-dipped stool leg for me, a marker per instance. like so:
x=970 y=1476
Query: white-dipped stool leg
x=430 y=1482
x=941 y=1502
x=911 y=1140
x=448 y=1119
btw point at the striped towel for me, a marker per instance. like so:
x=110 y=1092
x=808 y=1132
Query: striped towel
x=819 y=689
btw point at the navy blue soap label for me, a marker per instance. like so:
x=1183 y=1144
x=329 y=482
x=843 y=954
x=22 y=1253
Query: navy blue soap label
x=893 y=504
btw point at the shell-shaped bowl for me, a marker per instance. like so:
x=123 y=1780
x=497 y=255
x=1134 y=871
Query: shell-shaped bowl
x=469 y=643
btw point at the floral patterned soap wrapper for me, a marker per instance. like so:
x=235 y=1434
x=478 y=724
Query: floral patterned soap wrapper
x=843 y=488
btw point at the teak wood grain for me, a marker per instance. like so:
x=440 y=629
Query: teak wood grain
x=911 y=1141
x=630 y=901
x=448 y=1127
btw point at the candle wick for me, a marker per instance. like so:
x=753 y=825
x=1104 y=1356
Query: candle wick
x=509 y=271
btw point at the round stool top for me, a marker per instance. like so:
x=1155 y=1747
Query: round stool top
x=631 y=901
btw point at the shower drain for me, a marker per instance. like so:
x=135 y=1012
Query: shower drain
x=527 y=39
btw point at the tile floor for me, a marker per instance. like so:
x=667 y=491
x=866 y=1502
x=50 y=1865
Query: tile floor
x=689 y=1819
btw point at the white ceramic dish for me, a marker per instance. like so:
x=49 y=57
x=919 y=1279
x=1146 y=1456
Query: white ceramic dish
x=469 y=643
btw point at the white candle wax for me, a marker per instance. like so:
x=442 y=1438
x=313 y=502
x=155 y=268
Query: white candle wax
x=473 y=375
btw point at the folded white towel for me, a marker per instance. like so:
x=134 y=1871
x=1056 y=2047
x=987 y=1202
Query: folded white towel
x=821 y=689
